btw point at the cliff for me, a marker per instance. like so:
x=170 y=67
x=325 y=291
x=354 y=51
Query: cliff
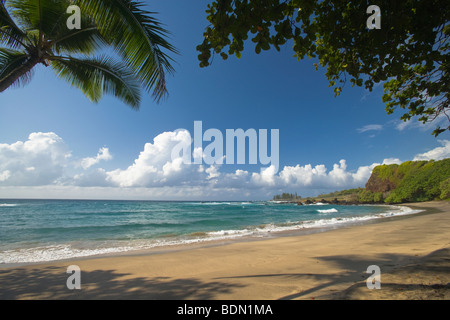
x=408 y=182
x=411 y=181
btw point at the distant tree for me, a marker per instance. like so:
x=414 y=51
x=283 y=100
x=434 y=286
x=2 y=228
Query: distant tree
x=409 y=54
x=286 y=196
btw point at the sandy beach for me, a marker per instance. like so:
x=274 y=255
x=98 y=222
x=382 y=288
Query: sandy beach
x=412 y=252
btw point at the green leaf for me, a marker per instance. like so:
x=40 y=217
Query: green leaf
x=137 y=37
x=96 y=77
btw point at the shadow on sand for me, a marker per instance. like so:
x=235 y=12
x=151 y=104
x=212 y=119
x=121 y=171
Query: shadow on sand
x=426 y=278
x=50 y=283
x=429 y=277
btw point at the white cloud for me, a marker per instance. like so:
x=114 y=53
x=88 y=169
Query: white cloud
x=392 y=161
x=360 y=177
x=157 y=164
x=401 y=125
x=103 y=154
x=40 y=160
x=213 y=172
x=370 y=127
x=241 y=173
x=317 y=177
x=5 y=175
x=438 y=153
x=303 y=175
x=267 y=177
x=158 y=172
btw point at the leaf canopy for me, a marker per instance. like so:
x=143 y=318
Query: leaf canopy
x=409 y=54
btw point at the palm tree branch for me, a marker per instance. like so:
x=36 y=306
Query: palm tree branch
x=10 y=39
x=72 y=34
x=12 y=34
x=87 y=40
x=97 y=76
x=40 y=16
x=9 y=58
x=137 y=38
x=40 y=22
x=15 y=68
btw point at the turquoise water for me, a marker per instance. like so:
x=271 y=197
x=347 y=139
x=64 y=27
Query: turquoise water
x=46 y=230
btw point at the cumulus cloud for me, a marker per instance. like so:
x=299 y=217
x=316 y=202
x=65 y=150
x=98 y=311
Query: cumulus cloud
x=392 y=161
x=438 y=153
x=103 y=154
x=5 y=175
x=317 y=177
x=162 y=162
x=163 y=171
x=267 y=177
x=213 y=172
x=40 y=160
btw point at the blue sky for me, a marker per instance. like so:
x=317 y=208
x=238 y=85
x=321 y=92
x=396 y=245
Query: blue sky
x=54 y=143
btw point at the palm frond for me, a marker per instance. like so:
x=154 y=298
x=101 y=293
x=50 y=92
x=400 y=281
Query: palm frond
x=10 y=34
x=137 y=37
x=39 y=15
x=12 y=62
x=99 y=76
x=39 y=28
x=87 y=40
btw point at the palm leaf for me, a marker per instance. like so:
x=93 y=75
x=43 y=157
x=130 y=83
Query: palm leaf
x=39 y=15
x=137 y=37
x=11 y=61
x=87 y=40
x=10 y=34
x=39 y=28
x=96 y=77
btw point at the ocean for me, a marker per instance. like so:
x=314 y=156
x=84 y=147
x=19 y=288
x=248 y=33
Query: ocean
x=47 y=230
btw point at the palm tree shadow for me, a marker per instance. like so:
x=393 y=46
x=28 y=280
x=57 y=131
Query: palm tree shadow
x=354 y=274
x=50 y=283
x=425 y=278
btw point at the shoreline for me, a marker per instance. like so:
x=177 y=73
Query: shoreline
x=303 y=228
x=325 y=265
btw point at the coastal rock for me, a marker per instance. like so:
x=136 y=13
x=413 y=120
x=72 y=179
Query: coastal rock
x=335 y=201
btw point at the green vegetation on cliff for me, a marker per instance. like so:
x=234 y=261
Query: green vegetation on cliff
x=410 y=181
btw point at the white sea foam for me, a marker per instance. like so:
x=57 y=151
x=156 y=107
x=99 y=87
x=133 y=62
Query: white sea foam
x=8 y=204
x=328 y=210
x=217 y=203
x=70 y=251
x=54 y=252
